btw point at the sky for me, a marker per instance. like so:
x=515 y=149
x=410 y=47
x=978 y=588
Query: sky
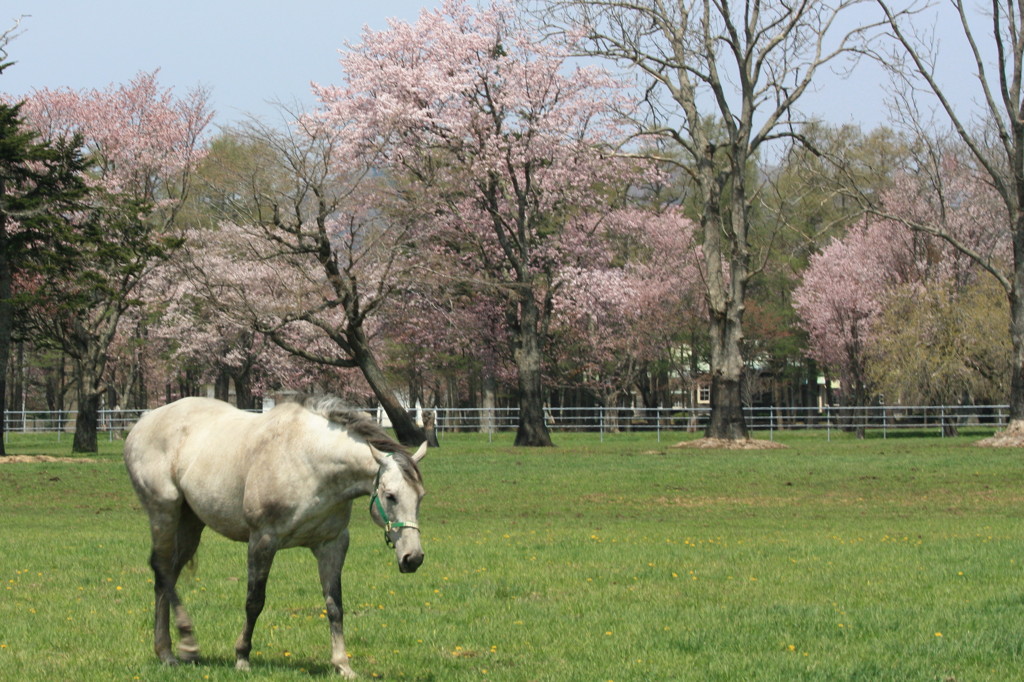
x=249 y=53
x=246 y=52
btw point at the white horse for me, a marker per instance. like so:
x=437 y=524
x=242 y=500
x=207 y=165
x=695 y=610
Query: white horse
x=285 y=478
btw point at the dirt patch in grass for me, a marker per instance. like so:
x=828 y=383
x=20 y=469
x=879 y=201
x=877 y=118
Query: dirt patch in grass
x=726 y=444
x=1010 y=437
x=13 y=459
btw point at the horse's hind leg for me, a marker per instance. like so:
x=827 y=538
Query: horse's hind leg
x=190 y=531
x=163 y=526
x=176 y=534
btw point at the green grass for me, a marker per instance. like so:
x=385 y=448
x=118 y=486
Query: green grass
x=59 y=445
x=884 y=559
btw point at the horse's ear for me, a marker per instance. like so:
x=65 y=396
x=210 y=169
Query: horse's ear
x=421 y=453
x=377 y=454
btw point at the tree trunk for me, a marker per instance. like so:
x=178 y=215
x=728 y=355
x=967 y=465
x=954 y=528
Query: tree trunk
x=16 y=376
x=727 y=420
x=860 y=402
x=87 y=422
x=1016 y=296
x=726 y=260
x=487 y=406
x=244 y=399
x=56 y=384
x=89 y=388
x=222 y=385
x=532 y=431
x=136 y=396
x=3 y=412
x=405 y=427
x=6 y=324
x=430 y=430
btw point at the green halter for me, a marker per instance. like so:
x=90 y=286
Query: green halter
x=389 y=525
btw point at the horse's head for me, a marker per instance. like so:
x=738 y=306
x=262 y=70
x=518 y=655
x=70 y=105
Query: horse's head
x=395 y=504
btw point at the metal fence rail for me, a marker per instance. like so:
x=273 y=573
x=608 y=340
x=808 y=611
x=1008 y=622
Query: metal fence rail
x=111 y=422
x=761 y=419
x=610 y=420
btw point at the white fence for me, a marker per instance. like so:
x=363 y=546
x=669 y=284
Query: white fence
x=111 y=422
x=761 y=419
x=610 y=420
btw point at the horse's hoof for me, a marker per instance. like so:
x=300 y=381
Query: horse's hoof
x=242 y=664
x=188 y=654
x=168 y=659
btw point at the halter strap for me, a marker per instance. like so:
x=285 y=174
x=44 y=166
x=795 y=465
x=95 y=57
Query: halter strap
x=389 y=525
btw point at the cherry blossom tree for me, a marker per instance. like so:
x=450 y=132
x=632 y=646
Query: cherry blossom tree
x=141 y=143
x=839 y=299
x=984 y=115
x=195 y=343
x=234 y=289
x=619 y=316
x=961 y=234
x=502 y=148
x=722 y=83
x=883 y=269
x=449 y=345
x=313 y=251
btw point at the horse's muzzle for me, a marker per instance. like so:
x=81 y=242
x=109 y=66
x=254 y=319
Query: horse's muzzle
x=408 y=563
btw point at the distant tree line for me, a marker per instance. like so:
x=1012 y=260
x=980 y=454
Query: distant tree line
x=471 y=217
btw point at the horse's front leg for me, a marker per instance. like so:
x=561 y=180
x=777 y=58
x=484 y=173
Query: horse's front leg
x=330 y=557
x=262 y=548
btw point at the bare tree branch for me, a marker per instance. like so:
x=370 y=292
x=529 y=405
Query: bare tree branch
x=722 y=81
x=7 y=36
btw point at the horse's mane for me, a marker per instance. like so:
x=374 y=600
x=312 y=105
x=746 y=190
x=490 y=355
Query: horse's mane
x=360 y=424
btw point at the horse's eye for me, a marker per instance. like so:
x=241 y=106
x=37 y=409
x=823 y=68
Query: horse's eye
x=390 y=497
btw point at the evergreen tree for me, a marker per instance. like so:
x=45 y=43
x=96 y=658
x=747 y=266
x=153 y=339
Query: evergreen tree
x=139 y=144
x=39 y=182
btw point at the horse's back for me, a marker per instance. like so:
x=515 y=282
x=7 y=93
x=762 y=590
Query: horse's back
x=162 y=432
x=166 y=442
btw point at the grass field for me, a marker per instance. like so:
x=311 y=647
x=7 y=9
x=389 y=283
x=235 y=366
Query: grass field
x=895 y=559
